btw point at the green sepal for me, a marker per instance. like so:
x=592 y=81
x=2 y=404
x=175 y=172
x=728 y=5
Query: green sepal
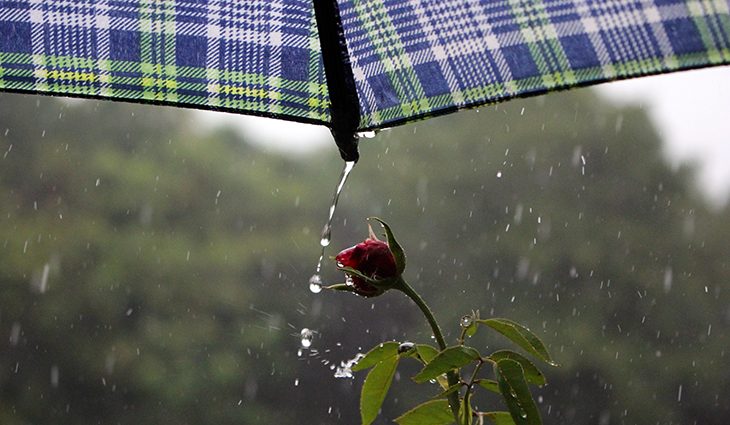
x=351 y=271
x=375 y=388
x=516 y=393
x=340 y=287
x=449 y=359
x=376 y=355
x=395 y=248
x=382 y=284
x=434 y=412
x=521 y=336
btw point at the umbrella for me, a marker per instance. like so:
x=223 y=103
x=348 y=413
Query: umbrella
x=352 y=65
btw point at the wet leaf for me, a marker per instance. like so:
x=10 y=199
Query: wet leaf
x=449 y=359
x=490 y=385
x=499 y=418
x=532 y=373
x=516 y=393
x=426 y=352
x=521 y=336
x=395 y=248
x=450 y=390
x=376 y=355
x=376 y=388
x=434 y=412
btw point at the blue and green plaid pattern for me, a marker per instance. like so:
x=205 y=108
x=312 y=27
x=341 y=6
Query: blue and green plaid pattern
x=415 y=58
x=410 y=58
x=252 y=56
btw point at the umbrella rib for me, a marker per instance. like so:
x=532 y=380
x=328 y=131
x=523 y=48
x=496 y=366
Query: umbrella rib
x=344 y=102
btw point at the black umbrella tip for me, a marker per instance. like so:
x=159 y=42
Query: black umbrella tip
x=347 y=144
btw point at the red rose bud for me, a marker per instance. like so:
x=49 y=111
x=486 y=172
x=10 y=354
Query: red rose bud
x=372 y=258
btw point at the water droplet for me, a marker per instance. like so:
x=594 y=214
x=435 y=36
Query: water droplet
x=306 y=335
x=327 y=229
x=499 y=174
x=405 y=347
x=315 y=284
x=366 y=134
x=296 y=382
x=466 y=321
x=668 y=277
x=55 y=375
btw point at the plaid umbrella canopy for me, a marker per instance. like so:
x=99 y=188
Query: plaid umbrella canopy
x=352 y=65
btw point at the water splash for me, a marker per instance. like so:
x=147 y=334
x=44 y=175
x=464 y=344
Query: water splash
x=327 y=229
x=345 y=368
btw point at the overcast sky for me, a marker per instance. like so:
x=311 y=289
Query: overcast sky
x=691 y=109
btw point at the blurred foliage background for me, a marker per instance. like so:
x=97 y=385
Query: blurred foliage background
x=155 y=272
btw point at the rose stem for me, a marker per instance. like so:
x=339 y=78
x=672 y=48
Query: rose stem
x=451 y=377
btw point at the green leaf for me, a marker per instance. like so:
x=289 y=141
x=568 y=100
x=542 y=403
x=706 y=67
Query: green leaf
x=452 y=389
x=516 y=393
x=521 y=336
x=490 y=385
x=426 y=352
x=532 y=373
x=434 y=412
x=395 y=248
x=375 y=388
x=499 y=418
x=379 y=353
x=449 y=359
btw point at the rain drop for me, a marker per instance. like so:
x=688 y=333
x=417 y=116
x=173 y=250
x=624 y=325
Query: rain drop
x=306 y=335
x=327 y=229
x=55 y=375
x=668 y=279
x=366 y=134
x=405 y=347
x=466 y=321
x=315 y=284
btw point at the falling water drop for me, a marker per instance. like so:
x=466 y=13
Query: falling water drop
x=306 y=335
x=366 y=134
x=315 y=284
x=327 y=229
